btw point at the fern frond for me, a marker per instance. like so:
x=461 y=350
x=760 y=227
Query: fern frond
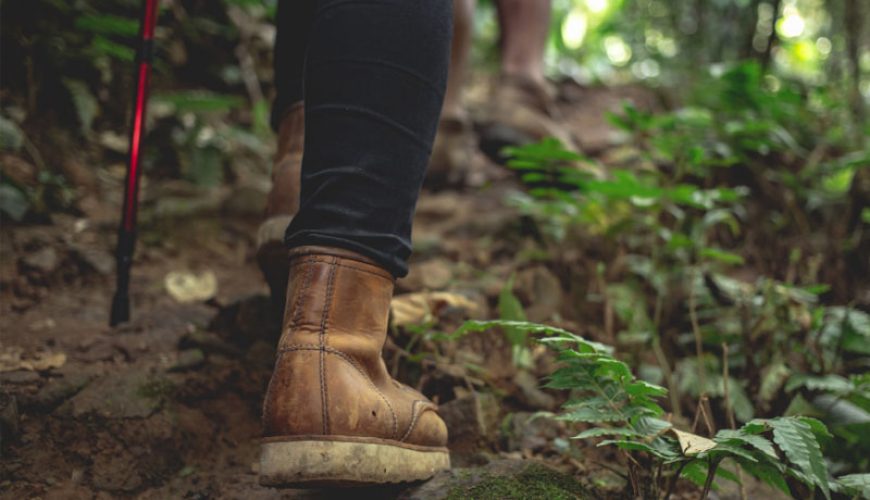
x=796 y=439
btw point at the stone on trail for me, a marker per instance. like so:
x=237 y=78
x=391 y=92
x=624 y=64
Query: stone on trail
x=472 y=420
x=45 y=260
x=134 y=393
x=503 y=480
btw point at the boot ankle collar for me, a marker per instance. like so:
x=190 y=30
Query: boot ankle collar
x=314 y=250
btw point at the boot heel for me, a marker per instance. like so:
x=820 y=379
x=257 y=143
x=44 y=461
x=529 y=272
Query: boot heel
x=314 y=461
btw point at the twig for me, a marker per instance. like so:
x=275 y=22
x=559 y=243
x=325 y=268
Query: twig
x=729 y=410
x=696 y=331
x=669 y=376
x=673 y=481
x=707 y=413
x=703 y=410
x=246 y=63
x=711 y=475
x=608 y=308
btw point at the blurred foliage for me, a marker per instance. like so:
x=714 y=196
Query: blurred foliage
x=66 y=73
x=67 y=70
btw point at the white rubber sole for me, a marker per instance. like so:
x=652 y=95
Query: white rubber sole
x=318 y=461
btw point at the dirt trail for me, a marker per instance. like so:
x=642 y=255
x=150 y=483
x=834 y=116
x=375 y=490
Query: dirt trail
x=168 y=406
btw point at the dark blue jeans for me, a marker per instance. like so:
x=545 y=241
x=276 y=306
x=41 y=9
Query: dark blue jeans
x=372 y=74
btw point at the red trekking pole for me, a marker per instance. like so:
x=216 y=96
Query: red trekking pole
x=127 y=230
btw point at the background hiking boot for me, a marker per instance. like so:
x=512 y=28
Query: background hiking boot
x=520 y=112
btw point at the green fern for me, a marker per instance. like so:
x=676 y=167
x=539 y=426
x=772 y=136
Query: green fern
x=857 y=485
x=623 y=409
x=796 y=438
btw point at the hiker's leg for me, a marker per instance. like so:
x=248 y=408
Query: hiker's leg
x=293 y=22
x=374 y=83
x=374 y=80
x=460 y=51
x=523 y=106
x=455 y=144
x=525 y=25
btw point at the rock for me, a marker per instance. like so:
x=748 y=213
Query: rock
x=501 y=479
x=432 y=274
x=208 y=342
x=530 y=393
x=541 y=290
x=528 y=431
x=131 y=394
x=78 y=174
x=246 y=200
x=187 y=359
x=97 y=259
x=45 y=260
x=99 y=350
x=436 y=273
x=19 y=377
x=472 y=421
x=18 y=170
x=57 y=390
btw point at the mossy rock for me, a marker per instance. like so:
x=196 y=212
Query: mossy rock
x=502 y=479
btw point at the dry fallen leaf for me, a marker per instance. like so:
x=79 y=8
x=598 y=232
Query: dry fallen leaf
x=12 y=358
x=420 y=308
x=692 y=444
x=185 y=286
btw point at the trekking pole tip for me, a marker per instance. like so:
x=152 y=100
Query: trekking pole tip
x=120 y=309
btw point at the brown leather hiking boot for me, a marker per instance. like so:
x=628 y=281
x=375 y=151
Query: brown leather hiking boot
x=521 y=111
x=332 y=414
x=452 y=152
x=283 y=201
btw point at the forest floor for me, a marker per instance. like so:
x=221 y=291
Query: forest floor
x=168 y=405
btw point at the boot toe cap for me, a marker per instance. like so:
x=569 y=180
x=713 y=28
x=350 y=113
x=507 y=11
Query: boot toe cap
x=428 y=430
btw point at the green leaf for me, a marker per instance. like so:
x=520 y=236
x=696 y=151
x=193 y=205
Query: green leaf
x=644 y=388
x=855 y=484
x=758 y=442
x=696 y=472
x=594 y=409
x=13 y=202
x=831 y=383
x=606 y=431
x=728 y=450
x=85 y=103
x=197 y=101
x=510 y=309
x=722 y=256
x=795 y=437
x=11 y=136
x=767 y=473
x=608 y=367
x=652 y=427
x=108 y=25
x=103 y=46
x=816 y=425
x=658 y=448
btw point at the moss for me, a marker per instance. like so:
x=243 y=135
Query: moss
x=156 y=388
x=535 y=481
